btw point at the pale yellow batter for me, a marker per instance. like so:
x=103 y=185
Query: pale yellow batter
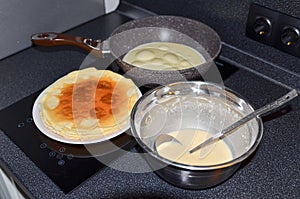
x=215 y=153
x=164 y=56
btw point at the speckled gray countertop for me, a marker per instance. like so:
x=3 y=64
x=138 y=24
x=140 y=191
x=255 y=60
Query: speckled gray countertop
x=272 y=172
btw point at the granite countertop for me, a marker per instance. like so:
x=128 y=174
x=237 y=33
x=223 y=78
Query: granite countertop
x=272 y=172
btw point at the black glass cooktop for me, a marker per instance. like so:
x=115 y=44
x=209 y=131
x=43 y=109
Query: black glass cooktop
x=66 y=165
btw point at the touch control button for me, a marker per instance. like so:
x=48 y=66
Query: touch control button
x=43 y=145
x=70 y=156
x=29 y=120
x=62 y=149
x=52 y=154
x=61 y=162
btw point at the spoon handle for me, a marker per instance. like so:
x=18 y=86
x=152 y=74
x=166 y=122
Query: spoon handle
x=271 y=106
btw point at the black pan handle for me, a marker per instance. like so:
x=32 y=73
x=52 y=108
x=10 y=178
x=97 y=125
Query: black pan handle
x=56 y=39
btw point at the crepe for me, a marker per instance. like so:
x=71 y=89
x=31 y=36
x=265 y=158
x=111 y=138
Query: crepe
x=88 y=104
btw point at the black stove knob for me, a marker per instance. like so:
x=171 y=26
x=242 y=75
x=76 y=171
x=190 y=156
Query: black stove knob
x=289 y=35
x=262 y=26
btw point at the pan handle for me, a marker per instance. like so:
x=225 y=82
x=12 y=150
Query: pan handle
x=56 y=39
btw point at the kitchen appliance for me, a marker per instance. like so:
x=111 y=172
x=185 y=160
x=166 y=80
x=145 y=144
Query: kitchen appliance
x=35 y=68
x=66 y=165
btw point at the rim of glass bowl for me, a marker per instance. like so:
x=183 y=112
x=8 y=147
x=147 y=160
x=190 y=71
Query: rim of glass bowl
x=194 y=167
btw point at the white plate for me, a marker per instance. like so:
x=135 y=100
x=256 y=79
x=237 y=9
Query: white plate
x=41 y=126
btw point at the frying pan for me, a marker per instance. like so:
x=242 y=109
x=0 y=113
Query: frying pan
x=145 y=30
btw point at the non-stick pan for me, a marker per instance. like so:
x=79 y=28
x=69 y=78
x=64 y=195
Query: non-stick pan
x=145 y=30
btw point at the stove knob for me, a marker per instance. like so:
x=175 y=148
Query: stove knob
x=262 y=26
x=289 y=35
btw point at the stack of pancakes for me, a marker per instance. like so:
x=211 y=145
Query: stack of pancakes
x=88 y=104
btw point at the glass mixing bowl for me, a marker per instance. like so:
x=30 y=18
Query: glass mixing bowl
x=194 y=105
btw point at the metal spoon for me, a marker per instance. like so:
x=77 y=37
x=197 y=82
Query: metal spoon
x=269 y=107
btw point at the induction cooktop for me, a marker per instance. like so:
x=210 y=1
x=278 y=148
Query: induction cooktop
x=67 y=165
